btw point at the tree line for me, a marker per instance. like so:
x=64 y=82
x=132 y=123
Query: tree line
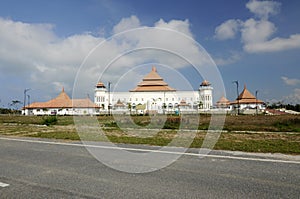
x=278 y=105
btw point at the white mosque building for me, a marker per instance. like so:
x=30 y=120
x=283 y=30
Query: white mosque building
x=154 y=95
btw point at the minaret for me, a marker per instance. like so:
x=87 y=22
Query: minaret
x=100 y=97
x=205 y=92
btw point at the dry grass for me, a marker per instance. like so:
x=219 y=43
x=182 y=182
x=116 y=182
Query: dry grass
x=275 y=134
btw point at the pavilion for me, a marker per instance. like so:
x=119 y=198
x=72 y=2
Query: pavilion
x=61 y=105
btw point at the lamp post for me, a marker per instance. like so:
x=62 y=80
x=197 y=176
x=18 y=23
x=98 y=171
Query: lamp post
x=25 y=91
x=28 y=96
x=164 y=104
x=109 y=83
x=256 y=102
x=237 y=92
x=88 y=105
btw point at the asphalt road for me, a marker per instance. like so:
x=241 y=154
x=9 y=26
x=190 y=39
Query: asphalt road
x=45 y=170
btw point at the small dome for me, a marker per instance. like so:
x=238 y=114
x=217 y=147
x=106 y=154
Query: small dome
x=205 y=83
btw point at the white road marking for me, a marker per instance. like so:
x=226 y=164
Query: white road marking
x=154 y=151
x=3 y=184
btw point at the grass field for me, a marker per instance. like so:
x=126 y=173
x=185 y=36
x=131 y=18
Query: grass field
x=274 y=134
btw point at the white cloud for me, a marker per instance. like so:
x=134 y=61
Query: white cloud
x=178 y=25
x=126 y=24
x=256 y=34
x=35 y=54
x=232 y=58
x=294 y=98
x=227 y=30
x=290 y=81
x=263 y=9
x=276 y=44
x=256 y=31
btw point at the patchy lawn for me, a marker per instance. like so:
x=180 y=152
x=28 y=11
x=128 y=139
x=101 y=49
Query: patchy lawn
x=274 y=134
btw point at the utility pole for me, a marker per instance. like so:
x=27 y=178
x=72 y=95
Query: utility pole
x=237 y=92
x=25 y=91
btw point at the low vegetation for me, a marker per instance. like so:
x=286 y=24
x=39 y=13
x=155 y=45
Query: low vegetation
x=274 y=134
x=49 y=120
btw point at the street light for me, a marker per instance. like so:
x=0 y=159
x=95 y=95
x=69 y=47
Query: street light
x=28 y=96
x=256 y=102
x=25 y=91
x=237 y=92
x=88 y=105
x=109 y=83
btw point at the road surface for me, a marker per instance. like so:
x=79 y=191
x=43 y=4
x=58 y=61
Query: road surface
x=34 y=169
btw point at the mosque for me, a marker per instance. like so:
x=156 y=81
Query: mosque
x=151 y=96
x=154 y=95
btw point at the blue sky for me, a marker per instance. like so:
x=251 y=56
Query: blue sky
x=43 y=43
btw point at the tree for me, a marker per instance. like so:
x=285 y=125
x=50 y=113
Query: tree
x=15 y=104
x=200 y=105
x=129 y=107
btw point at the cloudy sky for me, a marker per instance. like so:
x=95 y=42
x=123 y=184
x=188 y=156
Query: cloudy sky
x=47 y=45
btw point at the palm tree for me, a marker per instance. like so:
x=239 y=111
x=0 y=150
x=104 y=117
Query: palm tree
x=129 y=107
x=14 y=104
x=200 y=105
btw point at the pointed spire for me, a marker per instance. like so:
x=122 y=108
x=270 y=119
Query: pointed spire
x=205 y=83
x=154 y=69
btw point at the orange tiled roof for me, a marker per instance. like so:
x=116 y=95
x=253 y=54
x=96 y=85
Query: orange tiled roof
x=100 y=85
x=223 y=101
x=152 y=82
x=83 y=103
x=246 y=98
x=119 y=104
x=63 y=101
x=183 y=103
x=205 y=83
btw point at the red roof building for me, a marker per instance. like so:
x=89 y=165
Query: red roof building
x=246 y=98
x=62 y=104
x=223 y=102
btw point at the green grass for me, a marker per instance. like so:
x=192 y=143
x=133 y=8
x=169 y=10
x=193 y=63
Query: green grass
x=275 y=140
x=57 y=135
x=249 y=143
x=265 y=146
x=291 y=125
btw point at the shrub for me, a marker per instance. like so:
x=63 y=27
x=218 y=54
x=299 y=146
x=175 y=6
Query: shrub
x=50 y=120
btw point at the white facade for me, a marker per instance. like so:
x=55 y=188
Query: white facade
x=158 y=101
x=251 y=106
x=58 y=111
x=205 y=92
x=153 y=95
x=61 y=105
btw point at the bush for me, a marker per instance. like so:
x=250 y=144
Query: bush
x=288 y=125
x=111 y=124
x=51 y=120
x=172 y=123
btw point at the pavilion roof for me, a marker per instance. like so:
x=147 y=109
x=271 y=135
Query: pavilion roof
x=223 y=100
x=119 y=104
x=100 y=85
x=247 y=98
x=152 y=82
x=63 y=101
